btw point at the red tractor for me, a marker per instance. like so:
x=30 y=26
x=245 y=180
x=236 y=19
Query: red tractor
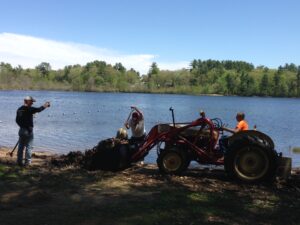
x=247 y=155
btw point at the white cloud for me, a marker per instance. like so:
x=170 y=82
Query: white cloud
x=29 y=51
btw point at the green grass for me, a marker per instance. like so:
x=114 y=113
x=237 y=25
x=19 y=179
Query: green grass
x=296 y=150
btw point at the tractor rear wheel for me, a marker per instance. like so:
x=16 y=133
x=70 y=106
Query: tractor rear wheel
x=250 y=163
x=172 y=161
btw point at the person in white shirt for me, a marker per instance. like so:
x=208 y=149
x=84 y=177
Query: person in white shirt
x=136 y=123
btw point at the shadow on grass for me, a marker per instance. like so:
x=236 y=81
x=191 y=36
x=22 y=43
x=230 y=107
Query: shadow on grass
x=40 y=195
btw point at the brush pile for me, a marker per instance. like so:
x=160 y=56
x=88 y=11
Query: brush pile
x=111 y=154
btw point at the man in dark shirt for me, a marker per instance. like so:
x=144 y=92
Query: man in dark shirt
x=24 y=119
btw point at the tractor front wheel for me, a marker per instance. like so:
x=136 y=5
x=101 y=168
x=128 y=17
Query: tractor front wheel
x=172 y=161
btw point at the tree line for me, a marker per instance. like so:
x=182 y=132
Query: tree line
x=203 y=77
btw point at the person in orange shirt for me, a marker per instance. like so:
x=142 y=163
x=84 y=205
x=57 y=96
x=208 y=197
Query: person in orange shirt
x=241 y=125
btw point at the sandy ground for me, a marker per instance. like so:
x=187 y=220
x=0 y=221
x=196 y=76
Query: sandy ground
x=39 y=158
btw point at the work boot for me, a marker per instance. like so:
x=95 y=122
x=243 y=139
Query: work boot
x=27 y=164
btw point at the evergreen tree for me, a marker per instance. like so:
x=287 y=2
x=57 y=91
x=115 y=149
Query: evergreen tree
x=298 y=82
x=120 y=67
x=264 y=85
x=243 y=88
x=154 y=70
x=230 y=84
x=276 y=83
x=44 y=68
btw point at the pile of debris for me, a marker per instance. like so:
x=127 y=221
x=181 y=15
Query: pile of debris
x=111 y=154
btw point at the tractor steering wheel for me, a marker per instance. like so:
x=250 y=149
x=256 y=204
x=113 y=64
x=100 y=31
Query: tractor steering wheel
x=218 y=124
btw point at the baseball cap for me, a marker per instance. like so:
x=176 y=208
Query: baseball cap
x=29 y=98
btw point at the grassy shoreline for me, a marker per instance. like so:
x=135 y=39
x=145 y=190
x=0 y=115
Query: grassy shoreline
x=43 y=194
x=117 y=91
x=152 y=92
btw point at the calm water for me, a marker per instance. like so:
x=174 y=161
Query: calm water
x=78 y=121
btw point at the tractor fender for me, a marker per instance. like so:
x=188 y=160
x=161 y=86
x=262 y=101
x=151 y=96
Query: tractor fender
x=251 y=136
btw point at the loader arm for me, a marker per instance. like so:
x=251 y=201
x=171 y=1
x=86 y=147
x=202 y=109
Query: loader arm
x=168 y=133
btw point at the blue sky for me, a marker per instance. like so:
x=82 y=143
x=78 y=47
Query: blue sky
x=138 y=32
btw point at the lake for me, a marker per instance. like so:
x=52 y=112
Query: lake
x=78 y=121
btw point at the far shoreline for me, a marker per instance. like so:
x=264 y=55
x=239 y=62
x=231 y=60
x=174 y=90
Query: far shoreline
x=147 y=92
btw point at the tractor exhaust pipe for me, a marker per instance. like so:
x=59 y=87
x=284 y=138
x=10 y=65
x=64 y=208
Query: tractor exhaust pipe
x=173 y=117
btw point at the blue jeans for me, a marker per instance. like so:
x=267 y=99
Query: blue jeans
x=223 y=143
x=25 y=141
